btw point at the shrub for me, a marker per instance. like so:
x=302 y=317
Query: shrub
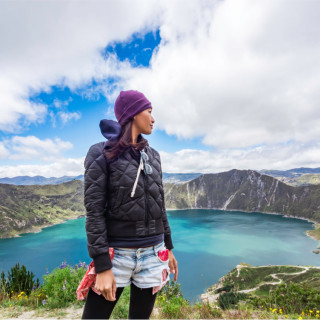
x=175 y=308
x=230 y=299
x=226 y=288
x=61 y=284
x=171 y=289
x=19 y=280
x=293 y=298
x=207 y=311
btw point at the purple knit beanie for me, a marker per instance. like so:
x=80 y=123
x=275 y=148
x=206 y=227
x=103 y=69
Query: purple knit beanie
x=128 y=104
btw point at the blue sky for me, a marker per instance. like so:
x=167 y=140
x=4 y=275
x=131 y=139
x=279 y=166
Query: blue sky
x=228 y=90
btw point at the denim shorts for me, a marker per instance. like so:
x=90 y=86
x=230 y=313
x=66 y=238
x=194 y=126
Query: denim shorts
x=142 y=267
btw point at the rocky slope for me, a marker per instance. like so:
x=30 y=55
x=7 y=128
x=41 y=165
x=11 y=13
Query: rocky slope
x=245 y=190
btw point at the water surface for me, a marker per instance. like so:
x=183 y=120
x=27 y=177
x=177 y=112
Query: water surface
x=207 y=245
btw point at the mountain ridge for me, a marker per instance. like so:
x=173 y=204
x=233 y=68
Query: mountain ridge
x=290 y=176
x=23 y=208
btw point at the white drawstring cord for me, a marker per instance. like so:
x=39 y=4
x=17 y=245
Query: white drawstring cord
x=137 y=177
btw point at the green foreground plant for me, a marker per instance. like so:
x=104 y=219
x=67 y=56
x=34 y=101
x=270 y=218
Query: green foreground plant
x=296 y=301
x=57 y=291
x=19 y=280
x=293 y=298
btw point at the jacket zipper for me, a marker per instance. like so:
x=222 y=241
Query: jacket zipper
x=145 y=199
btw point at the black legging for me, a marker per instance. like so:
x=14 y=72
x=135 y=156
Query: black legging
x=141 y=304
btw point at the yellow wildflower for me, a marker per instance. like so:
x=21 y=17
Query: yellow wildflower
x=318 y=311
x=286 y=316
x=310 y=311
x=300 y=318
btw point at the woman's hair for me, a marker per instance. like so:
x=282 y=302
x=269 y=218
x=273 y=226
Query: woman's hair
x=124 y=142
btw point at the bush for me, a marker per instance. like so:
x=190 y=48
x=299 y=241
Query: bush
x=293 y=298
x=171 y=289
x=230 y=299
x=61 y=284
x=226 y=288
x=207 y=311
x=19 y=280
x=175 y=308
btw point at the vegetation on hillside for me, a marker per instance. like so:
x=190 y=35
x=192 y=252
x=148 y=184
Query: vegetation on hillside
x=28 y=208
x=296 y=297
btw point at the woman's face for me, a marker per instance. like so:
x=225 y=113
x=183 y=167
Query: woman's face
x=144 y=121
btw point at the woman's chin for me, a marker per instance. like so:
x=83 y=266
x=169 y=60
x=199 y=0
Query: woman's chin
x=147 y=131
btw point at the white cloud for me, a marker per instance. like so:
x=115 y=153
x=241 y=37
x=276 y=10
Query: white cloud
x=61 y=103
x=16 y=111
x=33 y=148
x=278 y=157
x=58 y=43
x=67 y=116
x=59 y=168
x=237 y=73
x=4 y=152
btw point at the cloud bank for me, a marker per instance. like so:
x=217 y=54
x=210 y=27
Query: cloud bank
x=242 y=75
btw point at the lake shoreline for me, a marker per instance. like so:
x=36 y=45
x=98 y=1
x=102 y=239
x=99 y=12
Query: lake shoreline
x=313 y=235
x=315 y=225
x=38 y=229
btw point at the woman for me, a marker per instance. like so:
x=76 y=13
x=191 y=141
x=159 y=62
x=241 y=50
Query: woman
x=124 y=200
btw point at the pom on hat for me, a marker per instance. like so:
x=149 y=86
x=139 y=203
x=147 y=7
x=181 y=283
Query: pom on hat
x=128 y=104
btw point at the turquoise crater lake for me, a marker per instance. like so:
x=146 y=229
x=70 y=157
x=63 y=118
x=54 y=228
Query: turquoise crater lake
x=208 y=244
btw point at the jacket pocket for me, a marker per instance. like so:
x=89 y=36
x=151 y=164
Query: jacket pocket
x=121 y=196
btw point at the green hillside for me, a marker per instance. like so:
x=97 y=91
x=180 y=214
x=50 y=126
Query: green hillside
x=28 y=208
x=260 y=280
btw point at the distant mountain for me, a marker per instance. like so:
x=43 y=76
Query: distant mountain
x=245 y=190
x=27 y=208
x=39 y=180
x=292 y=173
x=179 y=177
x=296 y=177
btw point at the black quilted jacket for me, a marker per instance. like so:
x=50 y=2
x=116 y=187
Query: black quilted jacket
x=111 y=207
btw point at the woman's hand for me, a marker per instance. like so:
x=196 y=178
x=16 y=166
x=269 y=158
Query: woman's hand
x=173 y=265
x=106 y=284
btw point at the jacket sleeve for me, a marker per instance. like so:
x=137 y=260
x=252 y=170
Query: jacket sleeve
x=95 y=201
x=167 y=230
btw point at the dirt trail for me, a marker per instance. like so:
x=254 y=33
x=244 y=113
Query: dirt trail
x=209 y=297
x=275 y=276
